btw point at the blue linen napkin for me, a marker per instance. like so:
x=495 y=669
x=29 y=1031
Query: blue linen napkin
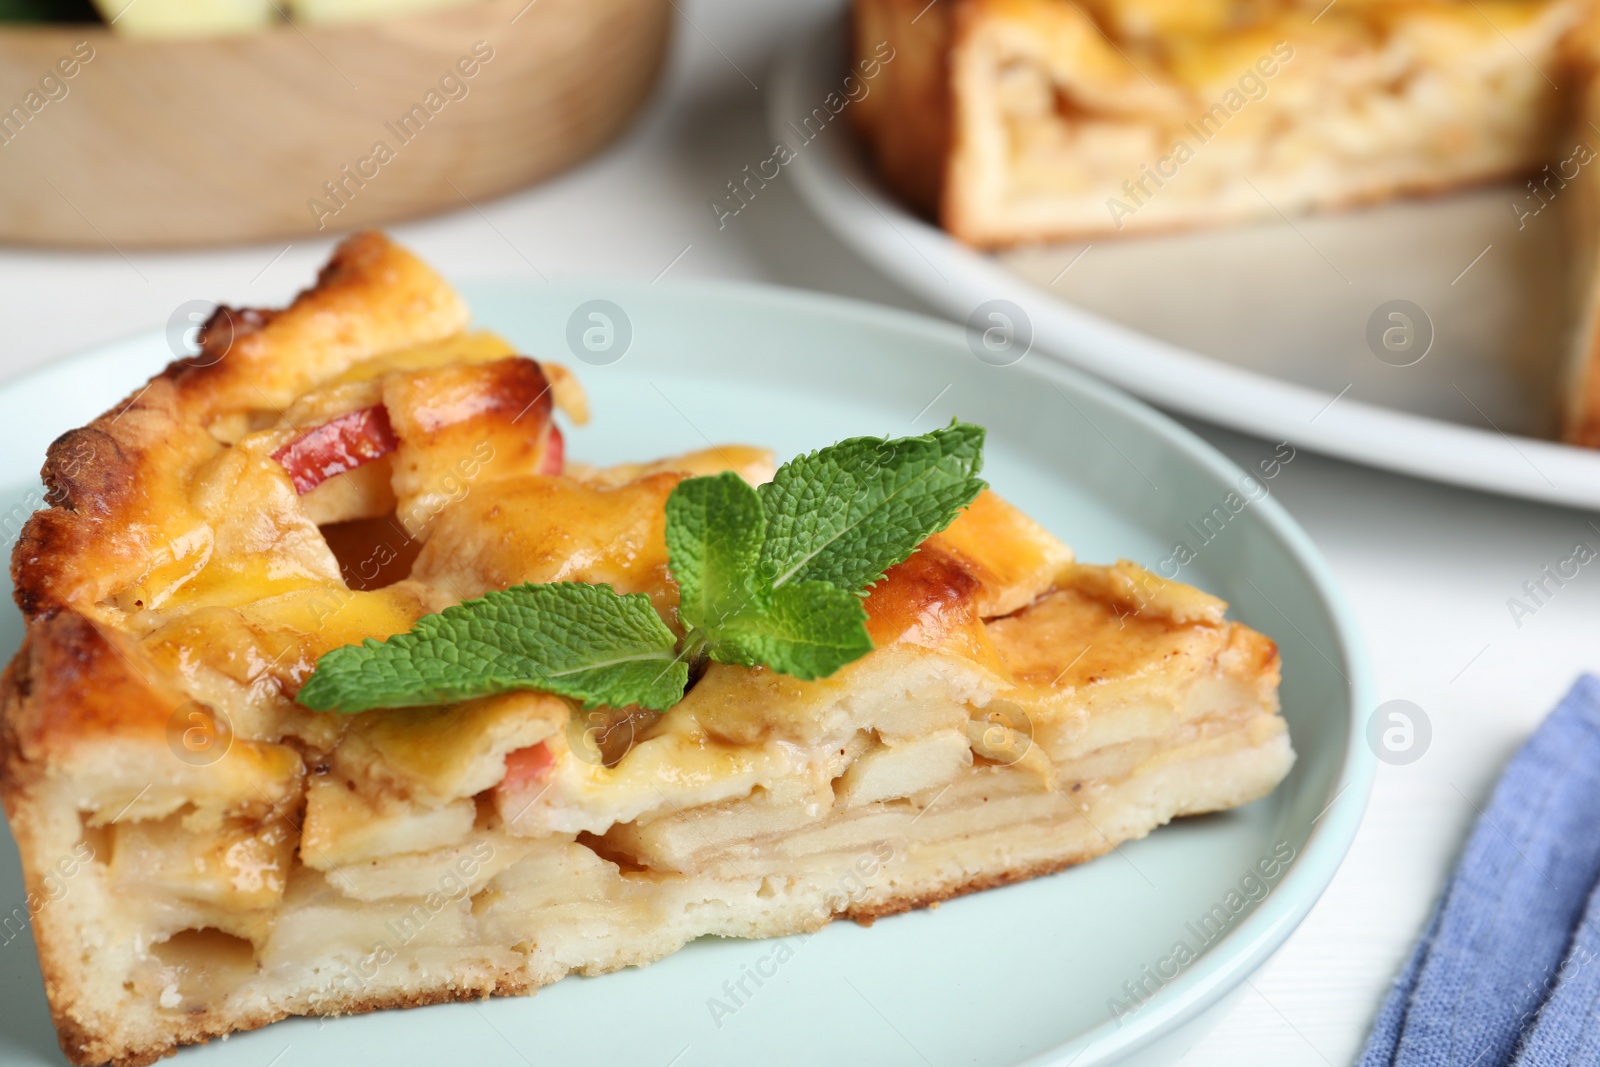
x=1508 y=970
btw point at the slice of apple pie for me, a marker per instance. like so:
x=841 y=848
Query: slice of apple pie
x=1029 y=120
x=266 y=538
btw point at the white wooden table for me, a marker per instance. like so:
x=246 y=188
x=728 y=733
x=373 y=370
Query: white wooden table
x=1429 y=569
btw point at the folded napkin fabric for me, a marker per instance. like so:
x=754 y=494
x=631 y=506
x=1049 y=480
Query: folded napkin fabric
x=1508 y=970
x=1567 y=1030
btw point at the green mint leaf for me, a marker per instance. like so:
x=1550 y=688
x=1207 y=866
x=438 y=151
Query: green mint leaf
x=569 y=638
x=807 y=630
x=715 y=527
x=847 y=513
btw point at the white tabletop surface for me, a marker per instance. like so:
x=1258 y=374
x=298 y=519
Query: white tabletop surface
x=1428 y=569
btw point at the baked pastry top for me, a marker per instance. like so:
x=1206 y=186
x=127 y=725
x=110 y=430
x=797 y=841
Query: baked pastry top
x=337 y=470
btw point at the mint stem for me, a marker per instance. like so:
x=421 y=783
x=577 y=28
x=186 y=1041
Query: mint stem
x=696 y=653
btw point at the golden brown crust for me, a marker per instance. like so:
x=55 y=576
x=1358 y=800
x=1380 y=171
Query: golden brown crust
x=112 y=483
x=71 y=680
x=371 y=297
x=94 y=478
x=105 y=482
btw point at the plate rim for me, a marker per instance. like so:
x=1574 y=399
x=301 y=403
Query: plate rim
x=873 y=224
x=1249 y=945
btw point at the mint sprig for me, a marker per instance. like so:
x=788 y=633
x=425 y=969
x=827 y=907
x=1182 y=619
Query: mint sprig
x=716 y=533
x=569 y=638
x=769 y=576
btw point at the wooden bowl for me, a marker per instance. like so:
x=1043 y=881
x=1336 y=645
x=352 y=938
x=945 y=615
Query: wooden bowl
x=299 y=130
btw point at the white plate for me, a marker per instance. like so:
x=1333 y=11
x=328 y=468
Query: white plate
x=1015 y=975
x=1262 y=327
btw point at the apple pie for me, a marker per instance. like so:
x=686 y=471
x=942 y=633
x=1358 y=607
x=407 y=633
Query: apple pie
x=1575 y=167
x=1029 y=120
x=334 y=472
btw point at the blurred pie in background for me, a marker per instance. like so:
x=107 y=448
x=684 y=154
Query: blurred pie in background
x=1022 y=120
x=1016 y=121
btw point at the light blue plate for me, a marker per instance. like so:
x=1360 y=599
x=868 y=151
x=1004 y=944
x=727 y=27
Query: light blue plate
x=1028 y=974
